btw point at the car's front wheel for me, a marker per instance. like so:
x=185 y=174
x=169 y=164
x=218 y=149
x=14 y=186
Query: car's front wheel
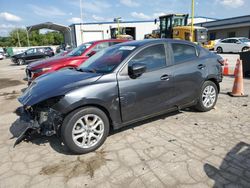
x=85 y=129
x=207 y=97
x=219 y=50
x=20 y=62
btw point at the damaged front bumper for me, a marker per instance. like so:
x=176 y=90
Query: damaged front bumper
x=44 y=121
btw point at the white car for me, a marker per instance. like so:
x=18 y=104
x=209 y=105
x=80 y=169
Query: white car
x=236 y=45
x=1 y=56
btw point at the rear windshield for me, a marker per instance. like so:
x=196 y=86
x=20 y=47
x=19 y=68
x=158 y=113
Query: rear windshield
x=80 y=49
x=108 y=59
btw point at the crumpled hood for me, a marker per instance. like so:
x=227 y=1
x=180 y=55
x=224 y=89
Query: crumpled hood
x=56 y=84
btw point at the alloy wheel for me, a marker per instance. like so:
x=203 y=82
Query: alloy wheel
x=208 y=96
x=88 y=131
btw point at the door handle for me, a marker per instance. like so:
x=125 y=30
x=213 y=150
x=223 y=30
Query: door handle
x=201 y=66
x=165 y=77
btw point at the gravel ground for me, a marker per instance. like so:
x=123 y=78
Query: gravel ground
x=182 y=149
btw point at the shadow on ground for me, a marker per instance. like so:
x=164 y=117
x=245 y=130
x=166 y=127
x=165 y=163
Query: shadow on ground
x=234 y=170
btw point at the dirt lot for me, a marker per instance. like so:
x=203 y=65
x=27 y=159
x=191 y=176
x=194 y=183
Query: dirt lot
x=186 y=149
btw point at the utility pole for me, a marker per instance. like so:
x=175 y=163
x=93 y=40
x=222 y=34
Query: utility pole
x=28 y=37
x=81 y=21
x=192 y=22
x=18 y=38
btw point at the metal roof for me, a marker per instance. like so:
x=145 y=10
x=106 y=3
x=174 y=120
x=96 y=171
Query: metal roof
x=240 y=21
x=49 y=25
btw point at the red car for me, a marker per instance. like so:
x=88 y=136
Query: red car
x=73 y=59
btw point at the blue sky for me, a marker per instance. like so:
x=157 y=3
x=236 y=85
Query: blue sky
x=21 y=13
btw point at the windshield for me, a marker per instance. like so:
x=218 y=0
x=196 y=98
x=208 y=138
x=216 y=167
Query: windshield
x=80 y=49
x=244 y=40
x=107 y=60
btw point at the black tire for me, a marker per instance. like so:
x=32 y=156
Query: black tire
x=200 y=105
x=46 y=57
x=68 y=125
x=20 y=61
x=245 y=49
x=219 y=50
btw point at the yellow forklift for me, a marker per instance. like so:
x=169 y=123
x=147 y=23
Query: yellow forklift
x=175 y=26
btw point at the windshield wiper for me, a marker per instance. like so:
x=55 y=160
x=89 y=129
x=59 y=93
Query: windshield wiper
x=92 y=70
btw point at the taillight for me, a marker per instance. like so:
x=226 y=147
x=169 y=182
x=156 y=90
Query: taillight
x=221 y=61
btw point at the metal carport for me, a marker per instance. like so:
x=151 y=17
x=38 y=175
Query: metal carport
x=65 y=30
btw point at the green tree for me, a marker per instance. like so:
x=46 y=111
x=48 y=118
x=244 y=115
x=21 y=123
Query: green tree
x=35 y=38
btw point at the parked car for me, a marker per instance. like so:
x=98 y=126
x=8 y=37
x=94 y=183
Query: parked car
x=2 y=55
x=120 y=85
x=32 y=54
x=235 y=45
x=70 y=60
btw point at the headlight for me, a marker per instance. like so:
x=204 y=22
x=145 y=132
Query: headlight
x=42 y=70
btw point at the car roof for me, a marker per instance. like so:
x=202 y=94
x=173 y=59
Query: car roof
x=235 y=38
x=138 y=43
x=106 y=40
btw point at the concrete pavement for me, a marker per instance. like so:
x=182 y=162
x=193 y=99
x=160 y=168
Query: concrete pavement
x=187 y=149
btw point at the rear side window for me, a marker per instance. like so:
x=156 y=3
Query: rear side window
x=183 y=52
x=225 y=41
x=153 y=57
x=113 y=43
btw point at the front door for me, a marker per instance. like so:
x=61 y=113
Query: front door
x=31 y=54
x=151 y=92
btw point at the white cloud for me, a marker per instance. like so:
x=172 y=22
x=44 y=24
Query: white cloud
x=46 y=11
x=231 y=3
x=75 y=20
x=101 y=19
x=9 y=17
x=92 y=6
x=98 y=18
x=157 y=14
x=6 y=28
x=140 y=15
x=129 y=3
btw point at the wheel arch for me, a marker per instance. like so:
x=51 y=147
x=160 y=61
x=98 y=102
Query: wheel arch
x=96 y=106
x=214 y=81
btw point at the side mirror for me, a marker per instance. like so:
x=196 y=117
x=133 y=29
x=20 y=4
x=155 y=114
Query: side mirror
x=238 y=42
x=136 y=70
x=91 y=53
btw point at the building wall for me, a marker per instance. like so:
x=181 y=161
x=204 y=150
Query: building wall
x=224 y=33
x=141 y=28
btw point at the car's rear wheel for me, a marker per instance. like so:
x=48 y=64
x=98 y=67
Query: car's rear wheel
x=219 y=50
x=20 y=62
x=245 y=49
x=46 y=57
x=207 y=97
x=85 y=129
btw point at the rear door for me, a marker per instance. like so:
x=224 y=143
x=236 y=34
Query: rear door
x=235 y=45
x=40 y=53
x=153 y=91
x=189 y=72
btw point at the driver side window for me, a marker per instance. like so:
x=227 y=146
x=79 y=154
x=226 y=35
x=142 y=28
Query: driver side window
x=153 y=57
